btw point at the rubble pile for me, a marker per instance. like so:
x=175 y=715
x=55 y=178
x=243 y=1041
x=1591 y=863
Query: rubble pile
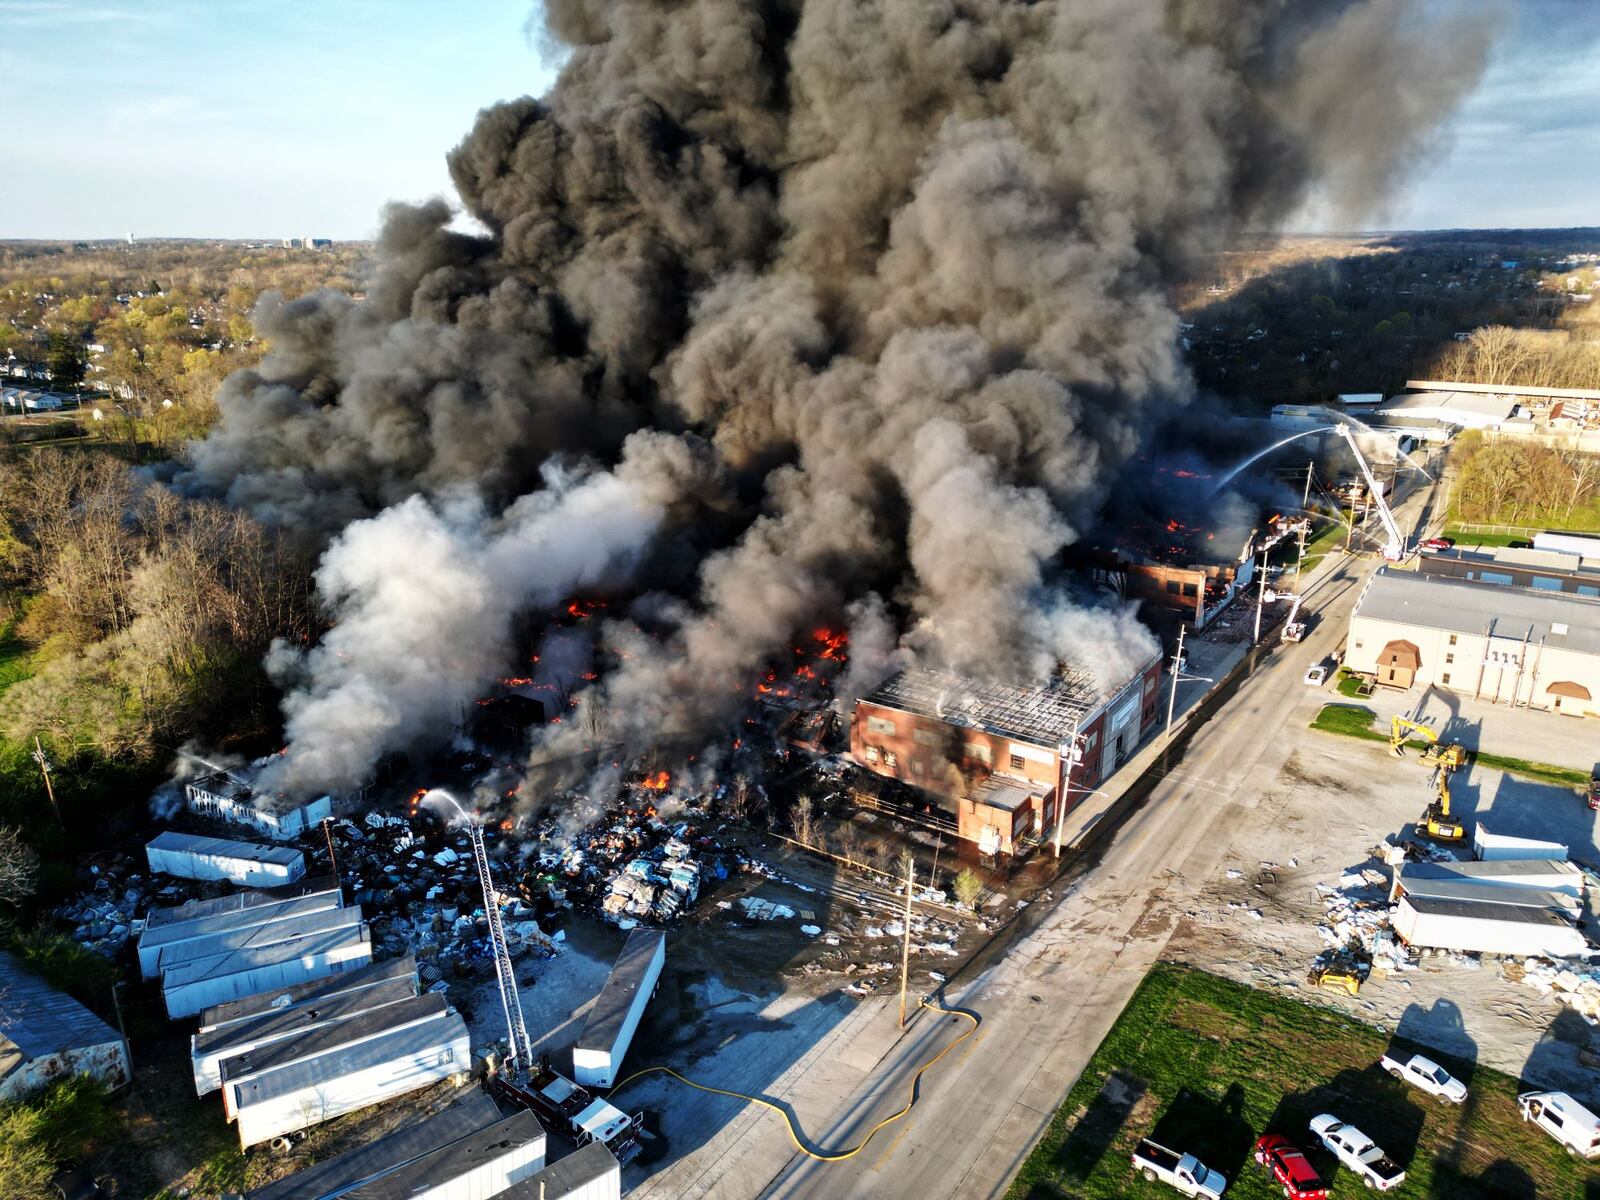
x=419 y=882
x=115 y=893
x=631 y=867
x=1356 y=922
x=1572 y=982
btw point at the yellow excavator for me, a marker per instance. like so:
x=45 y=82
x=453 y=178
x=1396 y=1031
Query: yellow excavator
x=1435 y=820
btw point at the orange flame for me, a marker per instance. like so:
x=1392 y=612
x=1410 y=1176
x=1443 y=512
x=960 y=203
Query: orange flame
x=657 y=782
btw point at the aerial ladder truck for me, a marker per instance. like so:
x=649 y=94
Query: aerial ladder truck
x=1435 y=821
x=1394 y=547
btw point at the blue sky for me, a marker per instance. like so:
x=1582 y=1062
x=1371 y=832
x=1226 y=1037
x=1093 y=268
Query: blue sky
x=271 y=118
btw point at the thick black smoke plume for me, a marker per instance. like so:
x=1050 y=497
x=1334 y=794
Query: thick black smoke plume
x=795 y=312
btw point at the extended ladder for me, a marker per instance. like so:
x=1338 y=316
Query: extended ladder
x=517 y=1031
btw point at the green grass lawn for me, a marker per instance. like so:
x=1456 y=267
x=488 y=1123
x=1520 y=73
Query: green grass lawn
x=1205 y=1065
x=16 y=662
x=1355 y=720
x=1347 y=684
x=1466 y=537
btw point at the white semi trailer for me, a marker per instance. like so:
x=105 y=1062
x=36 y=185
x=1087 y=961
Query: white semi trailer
x=597 y=1056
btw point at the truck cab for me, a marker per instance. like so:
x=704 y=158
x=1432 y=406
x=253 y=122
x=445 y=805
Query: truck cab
x=1564 y=1119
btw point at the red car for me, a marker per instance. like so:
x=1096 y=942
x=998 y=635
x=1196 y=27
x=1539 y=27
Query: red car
x=1439 y=543
x=1285 y=1163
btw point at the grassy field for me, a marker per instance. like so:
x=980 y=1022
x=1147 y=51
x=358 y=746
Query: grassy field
x=1205 y=1065
x=1355 y=720
x=1466 y=537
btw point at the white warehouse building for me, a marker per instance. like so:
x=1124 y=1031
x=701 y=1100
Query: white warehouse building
x=1521 y=647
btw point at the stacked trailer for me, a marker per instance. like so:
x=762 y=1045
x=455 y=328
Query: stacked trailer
x=302 y=995
x=167 y=927
x=194 y=986
x=207 y=946
x=247 y=864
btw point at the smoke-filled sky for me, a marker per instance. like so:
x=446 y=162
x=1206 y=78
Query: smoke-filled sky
x=840 y=313
x=252 y=119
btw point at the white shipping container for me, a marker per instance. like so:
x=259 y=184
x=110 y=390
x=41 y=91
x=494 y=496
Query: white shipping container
x=159 y=958
x=1475 y=928
x=1568 y=543
x=1511 y=873
x=194 y=986
x=305 y=1094
x=208 y=1048
x=590 y=1173
x=302 y=995
x=1498 y=847
x=248 y=864
x=597 y=1056
x=240 y=1071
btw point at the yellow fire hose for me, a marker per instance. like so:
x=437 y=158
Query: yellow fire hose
x=794 y=1132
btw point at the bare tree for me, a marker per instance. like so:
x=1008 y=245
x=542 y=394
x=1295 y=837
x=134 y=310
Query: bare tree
x=19 y=867
x=804 y=820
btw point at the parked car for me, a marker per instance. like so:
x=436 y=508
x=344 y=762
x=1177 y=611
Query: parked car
x=1183 y=1172
x=1287 y=1164
x=1358 y=1152
x=1316 y=675
x=1439 y=543
x=1427 y=1075
x=1564 y=1119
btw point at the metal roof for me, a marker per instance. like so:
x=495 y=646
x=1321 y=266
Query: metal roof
x=1506 y=868
x=1043 y=716
x=315 y=991
x=1488 y=893
x=301 y=1017
x=450 y=1162
x=1559 y=619
x=312 y=1073
x=233 y=962
x=1436 y=907
x=235 y=904
x=622 y=985
x=1478 y=404
x=567 y=1175
x=269 y=933
x=358 y=1028
x=36 y=1021
x=188 y=843
x=336 y=1176
x=1008 y=795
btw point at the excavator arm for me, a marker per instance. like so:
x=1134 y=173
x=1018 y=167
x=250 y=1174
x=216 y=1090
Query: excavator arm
x=1401 y=728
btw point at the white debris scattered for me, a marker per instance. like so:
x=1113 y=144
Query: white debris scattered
x=811 y=930
x=1235 y=873
x=1573 y=982
x=935 y=976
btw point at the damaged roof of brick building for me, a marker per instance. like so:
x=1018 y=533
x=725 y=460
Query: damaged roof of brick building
x=1045 y=716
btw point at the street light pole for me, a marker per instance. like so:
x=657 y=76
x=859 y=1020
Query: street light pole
x=1261 y=598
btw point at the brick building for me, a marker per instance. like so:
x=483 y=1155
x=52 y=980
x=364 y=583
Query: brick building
x=997 y=756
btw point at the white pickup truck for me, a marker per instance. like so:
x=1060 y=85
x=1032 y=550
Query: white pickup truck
x=1427 y=1075
x=1358 y=1152
x=1184 y=1172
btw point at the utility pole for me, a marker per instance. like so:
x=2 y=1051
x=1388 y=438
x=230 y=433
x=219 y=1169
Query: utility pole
x=44 y=769
x=327 y=832
x=1300 y=557
x=1177 y=669
x=1261 y=598
x=1306 y=498
x=905 y=944
x=933 y=871
x=1066 y=782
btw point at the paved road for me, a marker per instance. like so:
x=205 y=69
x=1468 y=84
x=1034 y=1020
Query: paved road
x=1050 y=998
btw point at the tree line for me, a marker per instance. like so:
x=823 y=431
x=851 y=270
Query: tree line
x=1518 y=482
x=1501 y=355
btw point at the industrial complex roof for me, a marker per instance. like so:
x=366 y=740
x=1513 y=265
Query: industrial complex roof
x=336 y=1176
x=347 y=1060
x=299 y=994
x=566 y=1176
x=36 y=1021
x=1044 y=716
x=616 y=997
x=1468 y=404
x=1558 y=619
x=233 y=905
x=188 y=843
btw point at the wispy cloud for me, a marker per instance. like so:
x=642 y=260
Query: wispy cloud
x=18 y=14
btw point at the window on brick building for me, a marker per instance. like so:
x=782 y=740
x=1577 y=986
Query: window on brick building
x=1017 y=763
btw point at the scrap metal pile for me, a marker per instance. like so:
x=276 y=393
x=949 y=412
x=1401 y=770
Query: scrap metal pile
x=114 y=890
x=631 y=867
x=418 y=880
